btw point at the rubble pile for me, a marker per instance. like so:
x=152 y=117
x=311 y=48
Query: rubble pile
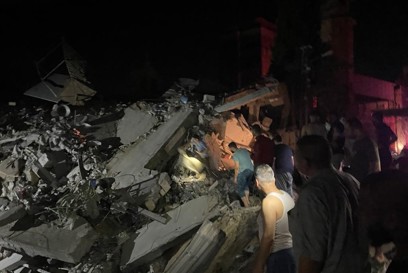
x=116 y=188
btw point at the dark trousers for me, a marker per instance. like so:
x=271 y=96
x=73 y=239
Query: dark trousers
x=282 y=261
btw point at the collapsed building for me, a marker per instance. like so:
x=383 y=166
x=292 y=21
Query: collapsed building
x=124 y=188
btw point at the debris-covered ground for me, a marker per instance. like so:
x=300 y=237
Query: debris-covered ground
x=123 y=187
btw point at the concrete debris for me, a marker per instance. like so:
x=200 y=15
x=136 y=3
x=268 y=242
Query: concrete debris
x=12 y=262
x=47 y=241
x=158 y=190
x=120 y=187
x=153 y=239
x=134 y=124
x=155 y=151
x=13 y=214
x=239 y=226
x=153 y=216
x=198 y=254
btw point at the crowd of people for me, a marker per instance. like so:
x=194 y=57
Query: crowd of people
x=348 y=212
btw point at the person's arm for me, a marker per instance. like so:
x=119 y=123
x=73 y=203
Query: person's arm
x=374 y=164
x=312 y=232
x=236 y=171
x=269 y=223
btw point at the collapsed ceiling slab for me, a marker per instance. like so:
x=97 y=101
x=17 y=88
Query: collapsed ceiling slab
x=154 y=238
x=132 y=161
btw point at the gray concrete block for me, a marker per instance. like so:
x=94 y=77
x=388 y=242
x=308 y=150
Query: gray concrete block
x=48 y=241
x=165 y=183
x=133 y=160
x=12 y=262
x=45 y=160
x=134 y=124
x=11 y=215
x=199 y=252
x=153 y=239
x=9 y=169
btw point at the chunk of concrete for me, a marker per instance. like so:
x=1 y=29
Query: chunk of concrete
x=12 y=262
x=165 y=183
x=9 y=169
x=158 y=190
x=134 y=123
x=12 y=214
x=155 y=151
x=22 y=269
x=48 y=241
x=153 y=216
x=196 y=257
x=43 y=173
x=153 y=239
x=45 y=160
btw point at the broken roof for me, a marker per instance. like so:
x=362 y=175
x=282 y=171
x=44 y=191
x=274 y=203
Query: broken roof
x=62 y=75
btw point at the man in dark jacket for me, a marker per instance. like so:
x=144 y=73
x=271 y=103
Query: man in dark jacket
x=263 y=148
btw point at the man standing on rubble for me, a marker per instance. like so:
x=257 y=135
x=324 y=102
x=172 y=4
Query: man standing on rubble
x=385 y=137
x=275 y=250
x=263 y=147
x=243 y=171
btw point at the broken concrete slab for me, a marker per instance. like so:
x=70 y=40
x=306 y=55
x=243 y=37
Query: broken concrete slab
x=139 y=184
x=240 y=230
x=9 y=169
x=156 y=151
x=199 y=252
x=11 y=215
x=165 y=183
x=153 y=216
x=158 y=190
x=246 y=99
x=134 y=123
x=48 y=241
x=12 y=262
x=23 y=269
x=154 y=238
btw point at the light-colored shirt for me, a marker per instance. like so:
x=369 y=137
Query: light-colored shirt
x=283 y=238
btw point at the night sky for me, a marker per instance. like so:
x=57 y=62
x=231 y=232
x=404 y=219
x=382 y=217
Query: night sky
x=176 y=38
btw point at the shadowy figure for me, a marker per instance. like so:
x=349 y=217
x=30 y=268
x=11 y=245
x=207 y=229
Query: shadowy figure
x=402 y=161
x=315 y=126
x=323 y=222
x=385 y=137
x=283 y=165
x=362 y=156
x=337 y=139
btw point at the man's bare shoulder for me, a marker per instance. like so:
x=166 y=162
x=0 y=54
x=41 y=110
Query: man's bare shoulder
x=272 y=203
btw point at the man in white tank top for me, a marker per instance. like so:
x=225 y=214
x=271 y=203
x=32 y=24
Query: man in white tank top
x=275 y=251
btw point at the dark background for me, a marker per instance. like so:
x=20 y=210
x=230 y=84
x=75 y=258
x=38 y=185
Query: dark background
x=122 y=40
